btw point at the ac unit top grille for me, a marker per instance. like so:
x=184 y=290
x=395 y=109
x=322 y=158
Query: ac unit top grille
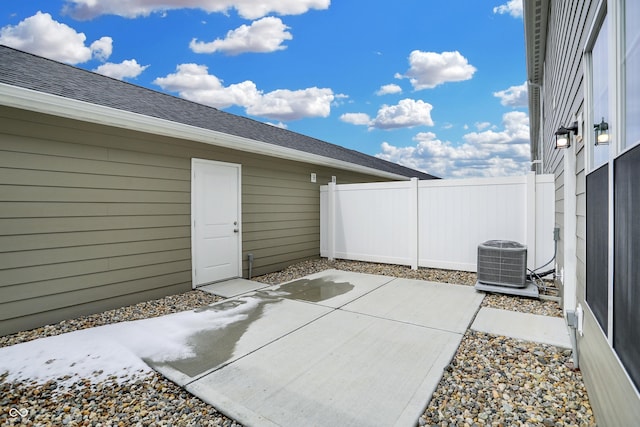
x=503 y=263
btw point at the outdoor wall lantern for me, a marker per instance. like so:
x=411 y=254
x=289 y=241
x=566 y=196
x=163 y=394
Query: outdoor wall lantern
x=602 y=132
x=563 y=135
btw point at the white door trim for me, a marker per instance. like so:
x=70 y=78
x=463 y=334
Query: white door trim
x=238 y=167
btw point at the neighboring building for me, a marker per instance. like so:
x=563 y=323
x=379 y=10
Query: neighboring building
x=111 y=193
x=583 y=65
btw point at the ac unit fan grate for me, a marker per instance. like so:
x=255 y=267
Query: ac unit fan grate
x=502 y=263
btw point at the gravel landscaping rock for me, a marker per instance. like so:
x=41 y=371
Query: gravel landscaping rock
x=144 y=310
x=148 y=401
x=316 y=265
x=523 y=305
x=493 y=381
x=499 y=381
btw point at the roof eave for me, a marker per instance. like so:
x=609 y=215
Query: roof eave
x=31 y=100
x=535 y=16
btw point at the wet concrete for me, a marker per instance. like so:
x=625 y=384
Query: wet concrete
x=216 y=347
x=233 y=287
x=213 y=348
x=314 y=290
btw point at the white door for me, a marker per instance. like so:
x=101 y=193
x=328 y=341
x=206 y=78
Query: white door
x=215 y=214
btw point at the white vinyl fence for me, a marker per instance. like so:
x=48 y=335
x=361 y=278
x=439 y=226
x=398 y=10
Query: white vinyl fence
x=437 y=223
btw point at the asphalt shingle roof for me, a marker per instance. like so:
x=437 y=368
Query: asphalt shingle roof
x=30 y=71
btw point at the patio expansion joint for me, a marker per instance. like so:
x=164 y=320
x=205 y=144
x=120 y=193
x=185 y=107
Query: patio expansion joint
x=392 y=279
x=405 y=322
x=224 y=365
x=473 y=318
x=332 y=310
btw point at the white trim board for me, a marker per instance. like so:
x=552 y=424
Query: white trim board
x=31 y=100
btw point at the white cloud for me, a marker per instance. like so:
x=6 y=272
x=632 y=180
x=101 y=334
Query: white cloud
x=360 y=119
x=89 y=9
x=407 y=113
x=41 y=35
x=515 y=134
x=262 y=36
x=512 y=7
x=101 y=49
x=484 y=154
x=482 y=125
x=515 y=96
x=430 y=69
x=277 y=125
x=339 y=99
x=193 y=82
x=389 y=89
x=284 y=104
x=126 y=69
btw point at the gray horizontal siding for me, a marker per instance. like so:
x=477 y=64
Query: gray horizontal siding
x=93 y=217
x=281 y=212
x=22 y=226
x=15 y=209
x=82 y=226
x=611 y=393
x=94 y=305
x=41 y=288
x=27 y=242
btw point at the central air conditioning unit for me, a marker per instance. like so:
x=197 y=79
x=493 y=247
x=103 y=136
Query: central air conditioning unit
x=502 y=263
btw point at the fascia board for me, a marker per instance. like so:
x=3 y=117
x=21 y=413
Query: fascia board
x=535 y=16
x=31 y=100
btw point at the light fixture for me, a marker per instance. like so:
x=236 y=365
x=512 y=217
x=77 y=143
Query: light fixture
x=563 y=135
x=602 y=132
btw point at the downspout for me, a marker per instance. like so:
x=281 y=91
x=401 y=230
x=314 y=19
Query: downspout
x=250 y=259
x=540 y=142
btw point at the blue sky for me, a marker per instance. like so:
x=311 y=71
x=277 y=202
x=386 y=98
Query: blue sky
x=435 y=85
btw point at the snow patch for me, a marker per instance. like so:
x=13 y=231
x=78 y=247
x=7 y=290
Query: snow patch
x=115 y=351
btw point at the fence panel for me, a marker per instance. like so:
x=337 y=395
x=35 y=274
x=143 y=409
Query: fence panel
x=437 y=223
x=455 y=216
x=545 y=220
x=372 y=222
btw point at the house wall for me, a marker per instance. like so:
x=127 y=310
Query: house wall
x=613 y=397
x=94 y=217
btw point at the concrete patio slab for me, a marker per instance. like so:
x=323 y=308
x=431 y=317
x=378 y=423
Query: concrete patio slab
x=257 y=320
x=524 y=326
x=331 y=288
x=332 y=348
x=344 y=369
x=233 y=287
x=434 y=305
